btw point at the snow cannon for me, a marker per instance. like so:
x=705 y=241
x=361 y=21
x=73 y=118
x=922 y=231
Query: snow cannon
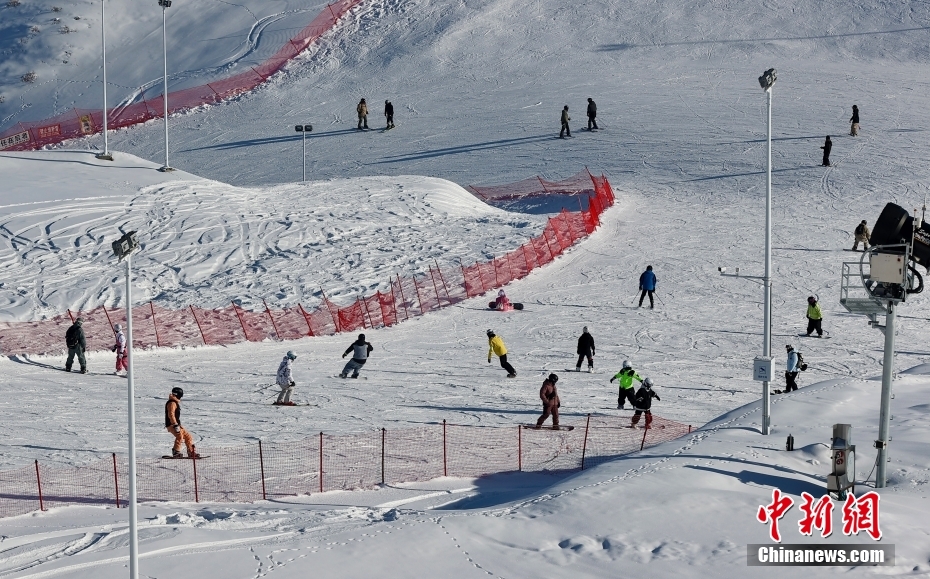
x=843 y=477
x=895 y=226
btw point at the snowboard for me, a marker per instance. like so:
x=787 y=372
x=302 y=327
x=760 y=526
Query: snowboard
x=350 y=378
x=544 y=427
x=516 y=306
x=583 y=371
x=169 y=457
x=296 y=404
x=825 y=336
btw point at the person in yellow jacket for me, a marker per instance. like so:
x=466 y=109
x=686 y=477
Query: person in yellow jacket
x=496 y=347
x=814 y=317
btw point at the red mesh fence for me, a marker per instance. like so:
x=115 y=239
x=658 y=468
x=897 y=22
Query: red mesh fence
x=346 y=461
x=408 y=296
x=80 y=122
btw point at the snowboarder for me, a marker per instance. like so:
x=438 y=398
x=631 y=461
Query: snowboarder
x=360 y=351
x=642 y=402
x=625 y=378
x=389 y=114
x=550 y=400
x=122 y=353
x=592 y=114
x=827 y=145
x=503 y=302
x=362 y=110
x=74 y=339
x=854 y=120
x=647 y=283
x=814 y=317
x=565 y=119
x=585 y=350
x=173 y=425
x=862 y=234
x=791 y=372
x=285 y=380
x=496 y=346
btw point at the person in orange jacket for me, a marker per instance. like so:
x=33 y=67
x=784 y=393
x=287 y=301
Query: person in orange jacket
x=173 y=425
x=550 y=399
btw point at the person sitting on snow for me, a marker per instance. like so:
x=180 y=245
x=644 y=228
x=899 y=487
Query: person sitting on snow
x=503 y=302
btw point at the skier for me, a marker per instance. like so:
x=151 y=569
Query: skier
x=550 y=400
x=642 y=402
x=389 y=114
x=74 y=339
x=285 y=380
x=585 y=350
x=503 y=302
x=791 y=372
x=173 y=425
x=854 y=119
x=862 y=234
x=565 y=119
x=496 y=346
x=625 y=378
x=647 y=283
x=827 y=145
x=814 y=317
x=592 y=114
x=122 y=353
x=360 y=351
x=362 y=110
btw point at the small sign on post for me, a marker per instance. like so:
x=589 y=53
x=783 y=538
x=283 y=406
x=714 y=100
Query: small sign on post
x=762 y=369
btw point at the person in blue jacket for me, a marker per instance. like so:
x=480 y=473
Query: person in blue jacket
x=647 y=283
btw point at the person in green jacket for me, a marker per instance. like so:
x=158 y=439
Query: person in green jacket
x=814 y=317
x=625 y=378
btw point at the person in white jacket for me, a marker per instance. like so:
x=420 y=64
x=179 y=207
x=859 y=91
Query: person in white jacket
x=122 y=353
x=285 y=380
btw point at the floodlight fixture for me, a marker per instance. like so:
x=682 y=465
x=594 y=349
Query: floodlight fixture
x=125 y=245
x=164 y=3
x=768 y=78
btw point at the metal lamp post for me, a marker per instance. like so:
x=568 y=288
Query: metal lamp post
x=123 y=249
x=303 y=130
x=165 y=4
x=767 y=81
x=105 y=155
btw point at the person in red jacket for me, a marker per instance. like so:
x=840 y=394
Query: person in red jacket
x=173 y=425
x=550 y=399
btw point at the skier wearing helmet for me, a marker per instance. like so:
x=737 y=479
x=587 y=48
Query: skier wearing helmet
x=814 y=317
x=496 y=346
x=122 y=353
x=550 y=400
x=360 y=351
x=642 y=402
x=285 y=380
x=585 y=350
x=503 y=302
x=625 y=378
x=173 y=425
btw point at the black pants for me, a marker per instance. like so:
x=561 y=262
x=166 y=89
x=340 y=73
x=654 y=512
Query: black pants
x=814 y=325
x=390 y=120
x=79 y=352
x=826 y=159
x=625 y=394
x=564 y=130
x=591 y=123
x=643 y=296
x=582 y=357
x=790 y=384
x=506 y=366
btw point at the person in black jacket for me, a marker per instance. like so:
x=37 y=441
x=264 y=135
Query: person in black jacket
x=642 y=402
x=585 y=350
x=827 y=145
x=389 y=114
x=360 y=351
x=592 y=114
x=854 y=120
x=74 y=339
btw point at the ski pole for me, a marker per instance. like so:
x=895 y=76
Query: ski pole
x=658 y=298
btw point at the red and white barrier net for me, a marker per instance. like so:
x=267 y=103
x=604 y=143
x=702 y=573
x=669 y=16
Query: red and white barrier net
x=408 y=297
x=332 y=462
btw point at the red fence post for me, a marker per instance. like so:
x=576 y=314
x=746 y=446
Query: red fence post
x=383 y=432
x=689 y=429
x=520 y=448
x=306 y=316
x=115 y=480
x=445 y=464
x=39 y=483
x=435 y=287
x=367 y=311
x=70 y=315
x=416 y=287
x=643 y=444
x=326 y=301
x=584 y=447
x=261 y=463
x=241 y=323
x=443 y=280
x=109 y=321
x=196 y=486
x=527 y=260
x=402 y=297
x=154 y=323
x=270 y=317
x=321 y=462
x=199 y=327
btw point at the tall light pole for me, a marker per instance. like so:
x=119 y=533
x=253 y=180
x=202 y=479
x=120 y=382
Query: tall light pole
x=165 y=4
x=767 y=81
x=303 y=130
x=105 y=155
x=123 y=248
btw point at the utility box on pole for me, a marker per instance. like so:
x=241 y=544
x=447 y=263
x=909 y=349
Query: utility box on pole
x=843 y=453
x=762 y=369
